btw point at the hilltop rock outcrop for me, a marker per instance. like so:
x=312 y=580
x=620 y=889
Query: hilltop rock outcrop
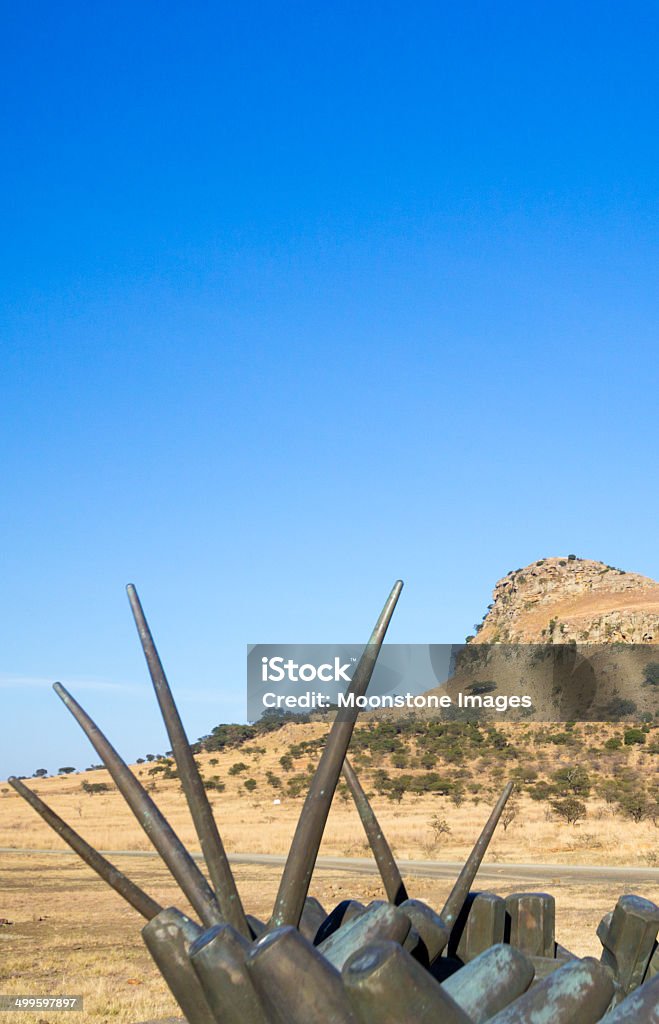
x=555 y=600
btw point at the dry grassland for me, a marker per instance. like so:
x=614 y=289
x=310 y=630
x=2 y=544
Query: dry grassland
x=70 y=934
x=253 y=823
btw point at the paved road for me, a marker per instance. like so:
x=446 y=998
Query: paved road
x=538 y=874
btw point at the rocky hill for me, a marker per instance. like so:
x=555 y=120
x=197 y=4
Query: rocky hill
x=555 y=600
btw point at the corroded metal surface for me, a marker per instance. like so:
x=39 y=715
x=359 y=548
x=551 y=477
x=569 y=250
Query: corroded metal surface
x=532 y=918
x=169 y=937
x=480 y=924
x=630 y=940
x=378 y=922
x=296 y=983
x=387 y=986
x=490 y=982
x=218 y=957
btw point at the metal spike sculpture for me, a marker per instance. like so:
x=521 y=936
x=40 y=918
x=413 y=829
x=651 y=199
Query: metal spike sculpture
x=193 y=787
x=384 y=858
x=395 y=962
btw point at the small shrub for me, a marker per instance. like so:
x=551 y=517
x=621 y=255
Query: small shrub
x=569 y=810
x=215 y=783
x=651 y=674
x=541 y=791
x=439 y=827
x=94 y=787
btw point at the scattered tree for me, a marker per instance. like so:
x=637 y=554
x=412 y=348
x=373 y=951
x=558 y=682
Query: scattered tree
x=574 y=779
x=94 y=787
x=569 y=810
x=635 y=805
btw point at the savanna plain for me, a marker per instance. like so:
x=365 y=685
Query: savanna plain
x=585 y=794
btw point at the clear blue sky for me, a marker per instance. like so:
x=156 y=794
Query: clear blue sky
x=300 y=298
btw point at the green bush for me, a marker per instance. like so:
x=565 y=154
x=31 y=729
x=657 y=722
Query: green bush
x=215 y=783
x=572 y=780
x=297 y=784
x=95 y=787
x=569 y=810
x=651 y=674
x=541 y=791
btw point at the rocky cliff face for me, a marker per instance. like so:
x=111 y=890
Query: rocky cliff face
x=560 y=599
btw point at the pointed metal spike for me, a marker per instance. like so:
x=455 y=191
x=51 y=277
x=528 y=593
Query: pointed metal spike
x=132 y=893
x=384 y=858
x=202 y=815
x=154 y=823
x=299 y=866
x=465 y=879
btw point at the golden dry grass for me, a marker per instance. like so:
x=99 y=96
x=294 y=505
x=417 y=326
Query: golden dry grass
x=252 y=823
x=72 y=935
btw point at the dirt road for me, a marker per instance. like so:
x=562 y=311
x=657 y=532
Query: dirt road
x=535 y=874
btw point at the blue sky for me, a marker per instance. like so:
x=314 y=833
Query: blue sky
x=298 y=299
